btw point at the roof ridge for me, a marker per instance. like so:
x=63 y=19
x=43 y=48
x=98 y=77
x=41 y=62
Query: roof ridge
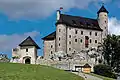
x=78 y=16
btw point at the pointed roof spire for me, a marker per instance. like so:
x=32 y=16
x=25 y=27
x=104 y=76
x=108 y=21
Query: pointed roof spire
x=29 y=42
x=102 y=9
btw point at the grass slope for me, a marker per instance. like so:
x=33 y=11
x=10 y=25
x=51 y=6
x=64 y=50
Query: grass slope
x=9 y=71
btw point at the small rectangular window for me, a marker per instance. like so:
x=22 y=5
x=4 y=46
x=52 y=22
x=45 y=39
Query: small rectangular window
x=86 y=46
x=27 y=50
x=69 y=36
x=51 y=46
x=75 y=40
x=59 y=30
x=95 y=33
x=59 y=38
x=59 y=44
x=81 y=40
x=69 y=49
x=90 y=33
x=81 y=32
x=69 y=42
x=76 y=31
x=95 y=41
x=90 y=41
x=51 y=52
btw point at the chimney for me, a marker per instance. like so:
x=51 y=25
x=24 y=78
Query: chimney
x=58 y=14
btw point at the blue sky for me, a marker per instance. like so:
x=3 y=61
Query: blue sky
x=36 y=18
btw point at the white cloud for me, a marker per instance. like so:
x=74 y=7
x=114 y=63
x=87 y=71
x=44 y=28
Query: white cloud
x=114 y=26
x=30 y=9
x=7 y=42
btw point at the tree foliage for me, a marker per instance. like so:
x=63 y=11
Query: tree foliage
x=111 y=51
x=104 y=70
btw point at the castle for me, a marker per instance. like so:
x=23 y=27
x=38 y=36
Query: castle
x=75 y=33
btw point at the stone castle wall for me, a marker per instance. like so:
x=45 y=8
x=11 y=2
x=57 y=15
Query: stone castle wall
x=49 y=48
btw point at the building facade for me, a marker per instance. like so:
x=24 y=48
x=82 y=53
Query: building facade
x=75 y=33
x=26 y=52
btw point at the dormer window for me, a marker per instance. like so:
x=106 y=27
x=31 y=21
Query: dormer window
x=74 y=23
x=26 y=49
x=88 y=24
x=93 y=24
x=81 y=23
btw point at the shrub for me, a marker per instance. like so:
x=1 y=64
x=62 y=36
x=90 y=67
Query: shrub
x=104 y=70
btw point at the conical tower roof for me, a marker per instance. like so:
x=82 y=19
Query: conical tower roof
x=102 y=9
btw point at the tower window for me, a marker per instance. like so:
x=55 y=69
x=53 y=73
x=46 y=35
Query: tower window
x=59 y=44
x=69 y=42
x=59 y=30
x=27 y=50
x=76 y=31
x=51 y=46
x=81 y=32
x=59 y=38
x=105 y=21
x=95 y=41
x=90 y=33
x=95 y=33
x=69 y=28
x=51 y=52
x=69 y=36
x=75 y=40
x=69 y=49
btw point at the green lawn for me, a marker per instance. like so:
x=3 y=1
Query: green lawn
x=9 y=71
x=102 y=77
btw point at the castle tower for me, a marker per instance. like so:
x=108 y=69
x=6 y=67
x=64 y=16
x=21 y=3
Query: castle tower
x=61 y=35
x=28 y=51
x=103 y=21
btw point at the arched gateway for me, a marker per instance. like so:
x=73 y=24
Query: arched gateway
x=27 y=61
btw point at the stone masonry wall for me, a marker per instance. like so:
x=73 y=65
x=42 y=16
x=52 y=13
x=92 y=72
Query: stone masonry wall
x=77 y=46
x=61 y=40
x=49 y=48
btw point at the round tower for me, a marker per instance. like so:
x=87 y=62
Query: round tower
x=103 y=21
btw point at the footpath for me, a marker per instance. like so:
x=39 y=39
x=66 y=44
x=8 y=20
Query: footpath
x=87 y=76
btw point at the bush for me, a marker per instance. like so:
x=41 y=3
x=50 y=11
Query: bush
x=104 y=70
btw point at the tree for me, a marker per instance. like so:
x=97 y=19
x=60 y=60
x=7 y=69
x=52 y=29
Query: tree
x=104 y=70
x=111 y=51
